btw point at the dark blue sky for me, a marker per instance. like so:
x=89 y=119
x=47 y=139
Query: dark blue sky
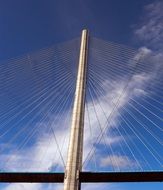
x=27 y=25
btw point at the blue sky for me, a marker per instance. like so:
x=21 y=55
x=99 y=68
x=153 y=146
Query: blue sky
x=27 y=26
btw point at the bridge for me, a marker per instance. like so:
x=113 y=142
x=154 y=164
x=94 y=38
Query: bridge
x=118 y=108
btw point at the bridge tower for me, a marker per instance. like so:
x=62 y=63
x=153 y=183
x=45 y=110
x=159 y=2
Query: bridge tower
x=74 y=160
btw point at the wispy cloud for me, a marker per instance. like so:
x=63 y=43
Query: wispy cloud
x=101 y=186
x=23 y=187
x=119 y=161
x=135 y=87
x=43 y=155
x=149 y=32
x=150 y=29
x=33 y=186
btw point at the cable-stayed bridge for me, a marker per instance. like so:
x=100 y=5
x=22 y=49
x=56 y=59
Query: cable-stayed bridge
x=123 y=114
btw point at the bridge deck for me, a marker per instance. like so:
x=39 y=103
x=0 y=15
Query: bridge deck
x=85 y=177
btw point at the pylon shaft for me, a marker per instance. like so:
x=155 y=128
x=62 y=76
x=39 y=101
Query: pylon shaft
x=74 y=160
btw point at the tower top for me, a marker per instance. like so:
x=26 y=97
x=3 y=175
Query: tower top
x=85 y=30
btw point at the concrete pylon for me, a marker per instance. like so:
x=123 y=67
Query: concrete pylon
x=74 y=160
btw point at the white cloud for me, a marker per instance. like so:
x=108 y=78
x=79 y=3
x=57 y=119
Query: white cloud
x=101 y=186
x=23 y=186
x=136 y=87
x=150 y=29
x=33 y=186
x=43 y=155
x=118 y=161
x=143 y=52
